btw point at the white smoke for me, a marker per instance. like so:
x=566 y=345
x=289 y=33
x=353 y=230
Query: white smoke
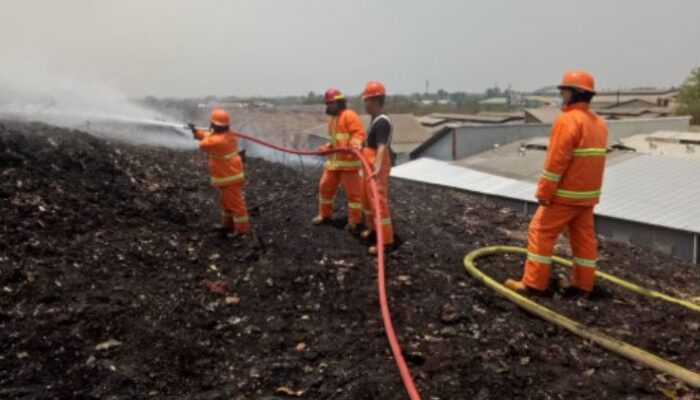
x=30 y=91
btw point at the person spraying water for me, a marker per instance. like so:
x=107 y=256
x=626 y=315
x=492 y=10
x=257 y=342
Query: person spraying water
x=226 y=170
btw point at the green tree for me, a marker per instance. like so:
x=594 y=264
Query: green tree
x=689 y=97
x=494 y=92
x=313 y=98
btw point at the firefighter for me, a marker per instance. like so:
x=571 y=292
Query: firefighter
x=344 y=131
x=226 y=170
x=378 y=153
x=569 y=188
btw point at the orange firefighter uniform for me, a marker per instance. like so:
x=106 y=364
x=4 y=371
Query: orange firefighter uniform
x=379 y=133
x=569 y=188
x=345 y=131
x=226 y=170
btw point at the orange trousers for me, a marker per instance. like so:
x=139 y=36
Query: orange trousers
x=352 y=184
x=233 y=210
x=545 y=226
x=382 y=182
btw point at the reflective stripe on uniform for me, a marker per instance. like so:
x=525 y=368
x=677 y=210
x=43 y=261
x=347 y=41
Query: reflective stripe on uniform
x=228 y=156
x=342 y=164
x=551 y=176
x=240 y=219
x=227 y=179
x=226 y=214
x=386 y=221
x=590 y=151
x=342 y=136
x=355 y=205
x=324 y=200
x=584 y=262
x=538 y=258
x=368 y=211
x=572 y=194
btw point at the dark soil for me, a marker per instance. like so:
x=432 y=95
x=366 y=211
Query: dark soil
x=109 y=271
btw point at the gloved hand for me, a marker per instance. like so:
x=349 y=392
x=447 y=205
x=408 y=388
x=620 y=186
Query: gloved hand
x=192 y=128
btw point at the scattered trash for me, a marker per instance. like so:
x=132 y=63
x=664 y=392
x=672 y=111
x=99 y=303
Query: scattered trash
x=106 y=345
x=217 y=286
x=290 y=392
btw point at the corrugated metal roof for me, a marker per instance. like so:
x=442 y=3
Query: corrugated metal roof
x=665 y=144
x=657 y=190
x=511 y=114
x=610 y=99
x=523 y=159
x=545 y=115
x=634 y=111
x=654 y=190
x=613 y=98
x=674 y=137
x=430 y=121
x=446 y=174
x=635 y=103
x=478 y=118
x=407 y=129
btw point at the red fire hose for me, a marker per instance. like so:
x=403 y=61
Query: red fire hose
x=381 y=281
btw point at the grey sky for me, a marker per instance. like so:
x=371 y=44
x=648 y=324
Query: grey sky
x=266 y=47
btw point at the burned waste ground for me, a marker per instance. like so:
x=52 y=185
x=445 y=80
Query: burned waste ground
x=113 y=285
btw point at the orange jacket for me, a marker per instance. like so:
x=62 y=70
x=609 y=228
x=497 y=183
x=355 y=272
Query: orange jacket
x=225 y=165
x=344 y=130
x=573 y=169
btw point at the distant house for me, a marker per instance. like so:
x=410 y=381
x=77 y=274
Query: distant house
x=494 y=101
x=634 y=98
x=540 y=100
x=547 y=115
x=483 y=117
x=634 y=103
x=635 y=112
x=458 y=140
x=621 y=98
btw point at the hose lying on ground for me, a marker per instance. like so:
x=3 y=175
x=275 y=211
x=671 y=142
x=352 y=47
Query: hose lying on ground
x=617 y=346
x=381 y=282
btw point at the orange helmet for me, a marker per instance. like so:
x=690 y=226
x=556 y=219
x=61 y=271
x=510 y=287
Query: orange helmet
x=220 y=117
x=332 y=95
x=578 y=80
x=373 y=89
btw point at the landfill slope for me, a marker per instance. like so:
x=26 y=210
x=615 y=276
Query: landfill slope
x=109 y=273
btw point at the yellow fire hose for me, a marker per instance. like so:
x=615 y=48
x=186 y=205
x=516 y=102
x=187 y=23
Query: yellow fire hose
x=624 y=349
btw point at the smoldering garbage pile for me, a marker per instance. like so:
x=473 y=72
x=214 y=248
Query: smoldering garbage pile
x=33 y=95
x=113 y=286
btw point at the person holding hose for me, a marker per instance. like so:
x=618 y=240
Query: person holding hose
x=226 y=170
x=344 y=131
x=378 y=153
x=568 y=189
